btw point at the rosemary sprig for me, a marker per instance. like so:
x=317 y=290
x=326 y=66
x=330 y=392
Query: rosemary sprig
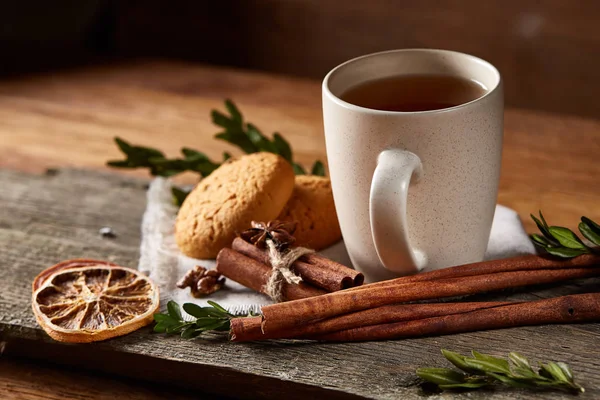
x=483 y=370
x=563 y=242
x=235 y=131
x=213 y=318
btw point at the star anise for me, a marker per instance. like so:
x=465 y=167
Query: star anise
x=281 y=233
x=201 y=281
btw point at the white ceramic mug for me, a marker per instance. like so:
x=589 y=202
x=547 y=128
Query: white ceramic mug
x=414 y=190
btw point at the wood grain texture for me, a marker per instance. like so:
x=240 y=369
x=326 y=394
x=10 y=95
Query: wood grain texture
x=46 y=218
x=22 y=379
x=548 y=51
x=69 y=119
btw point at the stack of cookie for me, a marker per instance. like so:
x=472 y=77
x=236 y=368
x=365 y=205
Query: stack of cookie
x=255 y=187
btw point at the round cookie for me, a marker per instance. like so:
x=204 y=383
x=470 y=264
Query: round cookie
x=312 y=207
x=253 y=187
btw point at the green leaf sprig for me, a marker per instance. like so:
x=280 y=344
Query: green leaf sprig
x=563 y=242
x=235 y=131
x=250 y=139
x=213 y=318
x=159 y=164
x=483 y=370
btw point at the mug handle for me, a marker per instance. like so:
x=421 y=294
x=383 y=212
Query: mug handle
x=387 y=210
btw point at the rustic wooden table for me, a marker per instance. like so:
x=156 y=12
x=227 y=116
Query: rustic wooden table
x=67 y=119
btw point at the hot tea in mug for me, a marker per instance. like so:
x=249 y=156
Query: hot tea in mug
x=414 y=144
x=414 y=93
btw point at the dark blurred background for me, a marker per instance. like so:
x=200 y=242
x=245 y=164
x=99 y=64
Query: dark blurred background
x=548 y=51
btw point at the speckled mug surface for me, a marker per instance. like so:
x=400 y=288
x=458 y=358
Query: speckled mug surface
x=414 y=190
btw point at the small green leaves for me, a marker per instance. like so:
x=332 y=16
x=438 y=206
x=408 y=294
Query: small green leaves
x=567 y=238
x=519 y=360
x=218 y=307
x=441 y=376
x=565 y=252
x=259 y=140
x=235 y=113
x=593 y=226
x=138 y=157
x=485 y=363
x=566 y=371
x=465 y=385
x=521 y=365
x=162 y=317
x=164 y=322
x=552 y=370
x=541 y=240
x=190 y=332
x=459 y=361
x=213 y=318
x=245 y=136
x=560 y=372
x=159 y=165
x=170 y=324
x=298 y=169
x=179 y=195
x=282 y=147
x=318 y=169
x=510 y=381
x=195 y=310
x=174 y=310
x=250 y=139
x=484 y=370
x=590 y=230
x=543 y=227
x=160 y=327
x=562 y=242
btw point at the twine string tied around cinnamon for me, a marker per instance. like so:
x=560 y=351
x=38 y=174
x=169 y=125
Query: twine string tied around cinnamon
x=281 y=262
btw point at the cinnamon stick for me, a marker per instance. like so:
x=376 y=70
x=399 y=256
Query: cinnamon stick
x=520 y=263
x=313 y=268
x=249 y=329
x=560 y=310
x=278 y=317
x=255 y=275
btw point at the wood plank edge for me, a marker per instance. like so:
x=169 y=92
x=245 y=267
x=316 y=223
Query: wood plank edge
x=19 y=341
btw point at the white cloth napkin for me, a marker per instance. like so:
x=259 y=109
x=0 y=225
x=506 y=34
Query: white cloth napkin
x=160 y=257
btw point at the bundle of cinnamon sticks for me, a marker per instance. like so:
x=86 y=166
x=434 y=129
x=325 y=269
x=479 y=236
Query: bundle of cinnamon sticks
x=250 y=266
x=380 y=310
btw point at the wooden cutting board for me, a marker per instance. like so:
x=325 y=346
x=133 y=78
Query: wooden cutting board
x=47 y=218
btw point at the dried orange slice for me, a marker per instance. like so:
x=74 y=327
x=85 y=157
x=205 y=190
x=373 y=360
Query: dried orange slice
x=82 y=301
